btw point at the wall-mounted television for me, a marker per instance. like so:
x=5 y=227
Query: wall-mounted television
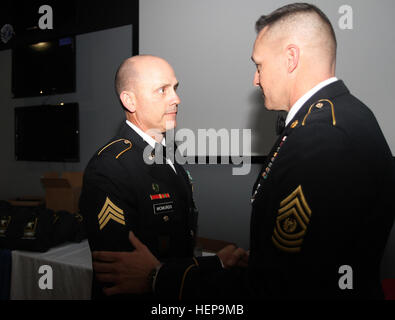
x=44 y=68
x=47 y=133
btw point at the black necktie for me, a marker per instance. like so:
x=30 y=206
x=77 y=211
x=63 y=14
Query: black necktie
x=280 y=125
x=160 y=150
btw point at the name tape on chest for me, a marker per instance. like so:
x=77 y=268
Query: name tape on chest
x=164 y=207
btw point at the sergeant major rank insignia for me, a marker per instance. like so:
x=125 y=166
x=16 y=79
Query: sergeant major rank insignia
x=110 y=212
x=292 y=221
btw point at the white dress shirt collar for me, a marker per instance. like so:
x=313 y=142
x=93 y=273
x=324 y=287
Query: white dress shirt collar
x=302 y=100
x=151 y=141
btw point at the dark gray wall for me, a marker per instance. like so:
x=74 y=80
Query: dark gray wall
x=209 y=44
x=223 y=201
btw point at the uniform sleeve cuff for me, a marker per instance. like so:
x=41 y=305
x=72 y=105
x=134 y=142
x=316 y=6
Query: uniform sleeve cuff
x=210 y=262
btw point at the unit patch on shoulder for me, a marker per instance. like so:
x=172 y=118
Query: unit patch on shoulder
x=108 y=212
x=292 y=221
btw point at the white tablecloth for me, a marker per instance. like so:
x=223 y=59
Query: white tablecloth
x=71 y=265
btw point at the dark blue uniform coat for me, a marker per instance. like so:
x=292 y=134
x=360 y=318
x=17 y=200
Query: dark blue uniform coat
x=121 y=192
x=322 y=210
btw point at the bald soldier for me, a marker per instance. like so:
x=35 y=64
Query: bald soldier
x=322 y=206
x=131 y=184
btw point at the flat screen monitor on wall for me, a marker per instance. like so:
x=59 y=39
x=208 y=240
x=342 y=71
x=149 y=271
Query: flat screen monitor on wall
x=47 y=133
x=44 y=68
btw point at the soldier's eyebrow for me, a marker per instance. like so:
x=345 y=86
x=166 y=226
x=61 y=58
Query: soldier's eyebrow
x=256 y=64
x=165 y=85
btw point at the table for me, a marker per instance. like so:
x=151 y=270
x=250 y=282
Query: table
x=71 y=265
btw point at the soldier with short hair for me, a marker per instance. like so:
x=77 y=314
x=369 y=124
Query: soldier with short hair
x=132 y=184
x=323 y=202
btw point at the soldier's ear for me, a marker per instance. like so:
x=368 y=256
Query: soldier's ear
x=128 y=100
x=292 y=53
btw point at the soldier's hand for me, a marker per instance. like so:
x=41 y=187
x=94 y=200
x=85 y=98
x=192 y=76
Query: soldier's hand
x=232 y=256
x=127 y=271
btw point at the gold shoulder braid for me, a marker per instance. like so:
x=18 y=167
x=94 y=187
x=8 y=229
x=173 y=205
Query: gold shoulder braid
x=125 y=141
x=319 y=104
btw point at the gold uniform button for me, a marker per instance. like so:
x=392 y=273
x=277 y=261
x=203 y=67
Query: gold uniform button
x=294 y=124
x=319 y=105
x=166 y=218
x=152 y=155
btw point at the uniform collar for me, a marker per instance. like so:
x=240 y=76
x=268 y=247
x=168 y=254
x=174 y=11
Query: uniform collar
x=151 y=141
x=302 y=100
x=331 y=91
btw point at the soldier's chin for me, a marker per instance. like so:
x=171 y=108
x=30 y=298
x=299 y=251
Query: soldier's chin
x=269 y=105
x=170 y=124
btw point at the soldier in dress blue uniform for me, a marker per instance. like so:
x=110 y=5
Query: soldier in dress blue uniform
x=322 y=204
x=133 y=182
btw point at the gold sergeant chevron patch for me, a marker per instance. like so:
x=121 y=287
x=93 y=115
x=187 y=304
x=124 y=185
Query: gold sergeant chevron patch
x=292 y=221
x=108 y=212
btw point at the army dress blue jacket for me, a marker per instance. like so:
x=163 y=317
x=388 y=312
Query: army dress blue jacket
x=322 y=211
x=122 y=191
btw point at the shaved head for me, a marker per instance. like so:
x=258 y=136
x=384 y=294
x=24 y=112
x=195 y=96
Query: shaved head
x=301 y=23
x=146 y=87
x=136 y=69
x=294 y=51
